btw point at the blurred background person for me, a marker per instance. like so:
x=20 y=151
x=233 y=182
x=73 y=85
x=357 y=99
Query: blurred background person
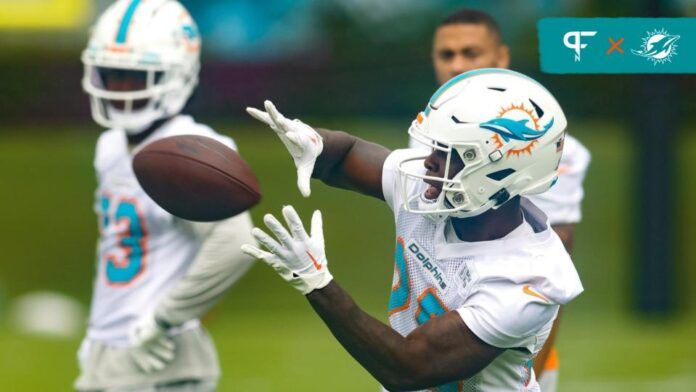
x=469 y=39
x=156 y=274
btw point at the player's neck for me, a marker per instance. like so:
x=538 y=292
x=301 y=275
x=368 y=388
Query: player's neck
x=491 y=225
x=134 y=140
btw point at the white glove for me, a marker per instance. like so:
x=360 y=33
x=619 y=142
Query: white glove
x=301 y=140
x=298 y=258
x=152 y=349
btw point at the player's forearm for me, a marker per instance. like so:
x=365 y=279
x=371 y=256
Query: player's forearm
x=351 y=163
x=384 y=353
x=218 y=264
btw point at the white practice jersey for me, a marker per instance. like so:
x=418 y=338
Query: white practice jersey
x=561 y=203
x=142 y=250
x=507 y=291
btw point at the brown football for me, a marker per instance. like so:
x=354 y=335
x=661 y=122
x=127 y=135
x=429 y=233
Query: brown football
x=196 y=178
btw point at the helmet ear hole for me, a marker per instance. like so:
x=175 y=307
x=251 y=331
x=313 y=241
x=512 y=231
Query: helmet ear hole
x=469 y=155
x=459 y=198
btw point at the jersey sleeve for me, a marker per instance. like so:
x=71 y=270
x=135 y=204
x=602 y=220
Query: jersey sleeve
x=391 y=183
x=110 y=145
x=562 y=203
x=218 y=264
x=508 y=315
x=98 y=155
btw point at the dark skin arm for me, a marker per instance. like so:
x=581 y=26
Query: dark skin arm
x=351 y=163
x=440 y=351
x=354 y=164
x=565 y=232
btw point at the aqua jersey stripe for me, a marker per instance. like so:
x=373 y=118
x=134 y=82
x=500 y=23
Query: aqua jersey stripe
x=126 y=21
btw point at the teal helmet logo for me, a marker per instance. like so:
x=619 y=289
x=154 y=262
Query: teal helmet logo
x=190 y=31
x=517 y=122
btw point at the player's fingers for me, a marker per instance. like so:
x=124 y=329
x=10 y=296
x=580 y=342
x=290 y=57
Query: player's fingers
x=278 y=119
x=265 y=118
x=317 y=227
x=267 y=241
x=164 y=354
x=147 y=363
x=166 y=343
x=260 y=115
x=161 y=354
x=266 y=257
x=304 y=176
x=255 y=252
x=154 y=364
x=294 y=223
x=279 y=267
x=294 y=139
x=140 y=362
x=277 y=228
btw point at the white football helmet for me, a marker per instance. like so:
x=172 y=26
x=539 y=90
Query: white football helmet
x=506 y=128
x=155 y=39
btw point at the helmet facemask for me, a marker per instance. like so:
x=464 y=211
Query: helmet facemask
x=142 y=102
x=455 y=198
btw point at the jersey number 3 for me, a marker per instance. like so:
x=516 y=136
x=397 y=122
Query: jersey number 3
x=125 y=221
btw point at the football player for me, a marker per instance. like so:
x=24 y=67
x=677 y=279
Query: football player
x=470 y=39
x=156 y=274
x=479 y=275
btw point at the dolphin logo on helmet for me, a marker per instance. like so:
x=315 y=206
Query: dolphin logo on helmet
x=515 y=129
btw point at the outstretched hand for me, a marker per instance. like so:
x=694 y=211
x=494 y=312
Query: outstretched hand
x=301 y=140
x=298 y=257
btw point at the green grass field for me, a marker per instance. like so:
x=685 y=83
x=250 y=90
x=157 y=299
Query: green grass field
x=267 y=336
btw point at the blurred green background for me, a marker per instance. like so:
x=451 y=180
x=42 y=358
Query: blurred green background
x=364 y=67
x=268 y=337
